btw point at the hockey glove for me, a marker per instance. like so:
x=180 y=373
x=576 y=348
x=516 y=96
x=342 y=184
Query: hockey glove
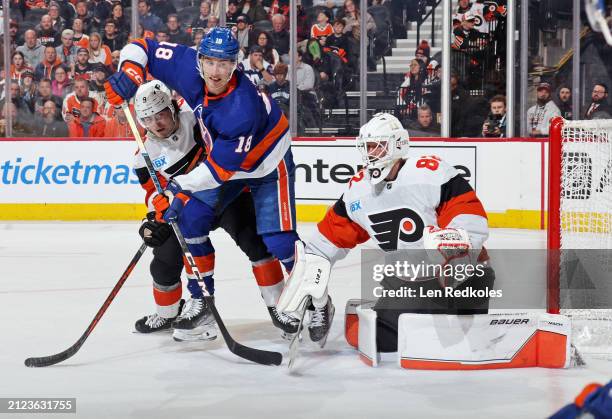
x=123 y=84
x=154 y=233
x=161 y=204
x=178 y=199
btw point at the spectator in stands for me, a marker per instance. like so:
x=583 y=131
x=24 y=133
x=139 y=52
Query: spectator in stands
x=87 y=123
x=117 y=125
x=98 y=52
x=308 y=113
x=465 y=36
x=351 y=15
x=175 y=33
x=112 y=38
x=256 y=68
x=21 y=102
x=340 y=40
x=163 y=9
x=80 y=39
x=20 y=128
x=82 y=66
x=540 y=114
x=231 y=16
x=46 y=68
x=67 y=51
x=269 y=53
x=46 y=33
x=304 y=74
x=424 y=126
x=280 y=37
x=18 y=66
x=321 y=27
x=83 y=13
x=32 y=49
x=254 y=10
x=61 y=84
x=495 y=124
x=243 y=33
x=563 y=100
x=422 y=52
x=100 y=11
x=121 y=23
x=72 y=103
x=28 y=86
x=115 y=57
x=48 y=123
x=411 y=90
x=213 y=22
x=148 y=20
x=162 y=35
x=96 y=85
x=463 y=6
x=599 y=108
x=44 y=94
x=279 y=89
x=303 y=25
x=197 y=36
x=14 y=33
x=201 y=21
x=57 y=22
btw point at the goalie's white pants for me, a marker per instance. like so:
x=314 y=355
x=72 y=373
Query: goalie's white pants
x=465 y=342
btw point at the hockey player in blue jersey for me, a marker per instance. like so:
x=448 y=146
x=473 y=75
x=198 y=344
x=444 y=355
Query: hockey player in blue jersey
x=245 y=133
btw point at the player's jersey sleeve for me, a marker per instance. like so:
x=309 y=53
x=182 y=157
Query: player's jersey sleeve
x=459 y=207
x=336 y=234
x=145 y=180
x=174 y=64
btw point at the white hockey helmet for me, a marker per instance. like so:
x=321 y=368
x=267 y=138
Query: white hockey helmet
x=381 y=142
x=151 y=98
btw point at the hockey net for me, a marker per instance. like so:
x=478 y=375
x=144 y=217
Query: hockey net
x=580 y=226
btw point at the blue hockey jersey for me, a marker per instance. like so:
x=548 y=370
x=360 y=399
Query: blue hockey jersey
x=245 y=132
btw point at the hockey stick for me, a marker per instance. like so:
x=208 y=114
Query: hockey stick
x=45 y=361
x=255 y=355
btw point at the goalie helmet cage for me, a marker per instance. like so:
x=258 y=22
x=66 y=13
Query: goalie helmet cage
x=580 y=217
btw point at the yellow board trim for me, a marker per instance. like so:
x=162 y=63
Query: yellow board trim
x=528 y=219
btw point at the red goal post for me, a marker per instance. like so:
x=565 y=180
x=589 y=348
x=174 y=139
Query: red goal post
x=579 y=208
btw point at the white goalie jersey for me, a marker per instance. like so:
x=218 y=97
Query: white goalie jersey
x=427 y=191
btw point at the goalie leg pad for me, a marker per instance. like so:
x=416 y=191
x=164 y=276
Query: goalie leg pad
x=368 y=351
x=351 y=320
x=486 y=341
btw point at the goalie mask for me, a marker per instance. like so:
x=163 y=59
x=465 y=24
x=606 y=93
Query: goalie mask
x=152 y=101
x=382 y=141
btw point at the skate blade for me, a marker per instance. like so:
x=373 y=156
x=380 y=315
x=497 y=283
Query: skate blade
x=323 y=341
x=295 y=342
x=197 y=334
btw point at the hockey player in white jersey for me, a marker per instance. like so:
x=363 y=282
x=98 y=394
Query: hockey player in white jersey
x=399 y=202
x=175 y=146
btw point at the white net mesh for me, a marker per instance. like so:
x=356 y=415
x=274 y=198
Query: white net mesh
x=586 y=223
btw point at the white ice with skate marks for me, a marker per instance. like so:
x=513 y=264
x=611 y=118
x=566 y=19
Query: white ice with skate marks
x=56 y=275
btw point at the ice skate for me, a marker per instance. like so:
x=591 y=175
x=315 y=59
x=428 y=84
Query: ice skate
x=320 y=322
x=287 y=324
x=155 y=323
x=196 y=322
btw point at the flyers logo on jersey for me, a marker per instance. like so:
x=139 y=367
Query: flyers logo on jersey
x=399 y=224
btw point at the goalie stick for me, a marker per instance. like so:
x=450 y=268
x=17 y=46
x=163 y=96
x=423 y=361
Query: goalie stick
x=258 y=356
x=45 y=361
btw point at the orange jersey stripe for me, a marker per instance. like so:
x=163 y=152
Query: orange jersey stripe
x=259 y=150
x=466 y=203
x=269 y=273
x=283 y=195
x=341 y=231
x=204 y=263
x=142 y=43
x=223 y=174
x=195 y=160
x=167 y=298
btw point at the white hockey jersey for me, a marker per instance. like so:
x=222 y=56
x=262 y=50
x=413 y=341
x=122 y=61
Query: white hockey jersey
x=176 y=155
x=427 y=191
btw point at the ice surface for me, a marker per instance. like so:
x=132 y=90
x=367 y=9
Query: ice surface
x=54 y=277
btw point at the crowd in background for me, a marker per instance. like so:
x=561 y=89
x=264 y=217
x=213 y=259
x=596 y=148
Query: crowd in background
x=63 y=50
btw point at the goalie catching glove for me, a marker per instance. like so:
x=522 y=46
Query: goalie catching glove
x=309 y=277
